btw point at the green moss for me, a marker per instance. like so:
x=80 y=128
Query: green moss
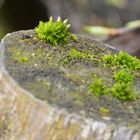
x=123 y=59
x=68 y=86
x=74 y=37
x=74 y=54
x=108 y=59
x=123 y=76
x=128 y=61
x=127 y=65
x=128 y=68
x=19 y=58
x=98 y=88
x=122 y=73
x=103 y=111
x=54 y=32
x=123 y=91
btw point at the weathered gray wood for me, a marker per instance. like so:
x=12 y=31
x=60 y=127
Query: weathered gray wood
x=24 y=115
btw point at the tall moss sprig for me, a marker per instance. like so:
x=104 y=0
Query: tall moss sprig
x=54 y=32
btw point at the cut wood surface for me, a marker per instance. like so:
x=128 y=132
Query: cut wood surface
x=33 y=111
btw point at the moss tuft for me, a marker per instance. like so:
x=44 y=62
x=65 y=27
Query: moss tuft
x=54 y=32
x=123 y=76
x=123 y=91
x=108 y=59
x=98 y=88
x=123 y=59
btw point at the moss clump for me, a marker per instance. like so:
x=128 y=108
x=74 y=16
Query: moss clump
x=123 y=59
x=128 y=61
x=123 y=91
x=123 y=76
x=108 y=59
x=98 y=88
x=54 y=32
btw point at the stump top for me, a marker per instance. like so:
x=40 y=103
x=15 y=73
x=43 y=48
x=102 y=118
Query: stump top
x=56 y=75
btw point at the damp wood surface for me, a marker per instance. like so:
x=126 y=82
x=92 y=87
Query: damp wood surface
x=50 y=74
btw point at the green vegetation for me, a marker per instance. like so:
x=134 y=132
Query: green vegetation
x=18 y=57
x=123 y=88
x=54 y=32
x=123 y=91
x=98 y=88
x=123 y=76
x=123 y=59
x=79 y=55
x=108 y=59
x=128 y=61
x=73 y=53
x=124 y=68
x=103 y=111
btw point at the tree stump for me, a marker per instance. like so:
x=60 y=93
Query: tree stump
x=45 y=92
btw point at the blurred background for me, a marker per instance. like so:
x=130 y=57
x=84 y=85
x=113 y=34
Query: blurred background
x=106 y=20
